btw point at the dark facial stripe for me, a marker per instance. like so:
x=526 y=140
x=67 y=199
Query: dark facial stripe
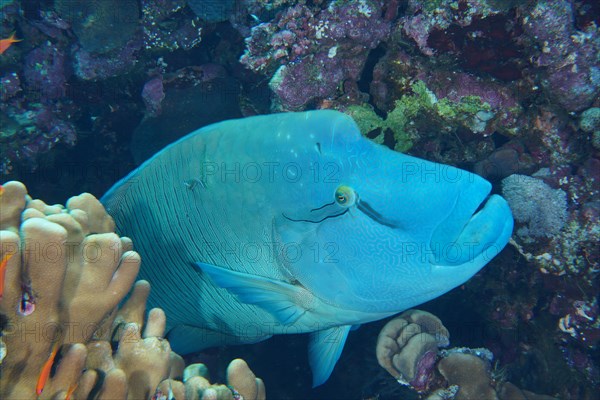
x=323 y=206
x=374 y=215
x=316 y=222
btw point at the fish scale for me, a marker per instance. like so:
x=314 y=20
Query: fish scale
x=327 y=262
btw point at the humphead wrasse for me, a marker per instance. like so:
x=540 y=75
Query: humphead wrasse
x=295 y=222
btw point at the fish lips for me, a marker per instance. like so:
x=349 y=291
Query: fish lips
x=473 y=233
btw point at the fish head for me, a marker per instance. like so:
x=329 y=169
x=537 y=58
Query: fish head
x=369 y=229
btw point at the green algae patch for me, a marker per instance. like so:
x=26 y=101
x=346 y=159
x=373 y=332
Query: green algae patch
x=368 y=122
x=421 y=112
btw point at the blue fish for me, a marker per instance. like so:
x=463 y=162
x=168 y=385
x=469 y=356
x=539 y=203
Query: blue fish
x=295 y=222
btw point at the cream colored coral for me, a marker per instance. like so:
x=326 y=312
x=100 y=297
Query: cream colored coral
x=67 y=274
x=470 y=373
x=461 y=374
x=405 y=339
x=244 y=381
x=241 y=381
x=65 y=278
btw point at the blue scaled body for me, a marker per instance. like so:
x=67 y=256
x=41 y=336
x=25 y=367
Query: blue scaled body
x=293 y=223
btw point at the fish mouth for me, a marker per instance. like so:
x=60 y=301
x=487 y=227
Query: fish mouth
x=477 y=229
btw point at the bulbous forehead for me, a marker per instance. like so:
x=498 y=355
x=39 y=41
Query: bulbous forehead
x=330 y=131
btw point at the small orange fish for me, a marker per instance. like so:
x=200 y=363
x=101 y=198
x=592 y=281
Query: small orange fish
x=1 y=190
x=45 y=372
x=6 y=43
x=3 y=265
x=70 y=391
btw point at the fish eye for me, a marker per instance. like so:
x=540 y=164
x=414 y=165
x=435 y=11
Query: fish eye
x=345 y=196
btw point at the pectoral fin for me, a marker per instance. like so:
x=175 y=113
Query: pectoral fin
x=324 y=349
x=286 y=302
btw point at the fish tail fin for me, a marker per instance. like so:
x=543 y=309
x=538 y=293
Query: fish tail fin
x=13 y=39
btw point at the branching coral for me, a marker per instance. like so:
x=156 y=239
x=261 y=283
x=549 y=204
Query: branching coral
x=64 y=278
x=64 y=273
